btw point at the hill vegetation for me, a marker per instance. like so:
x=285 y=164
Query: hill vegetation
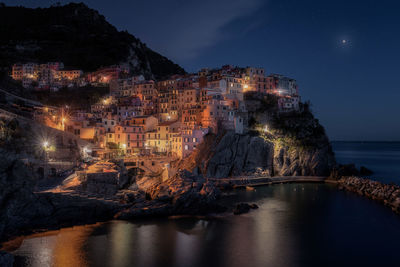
x=76 y=35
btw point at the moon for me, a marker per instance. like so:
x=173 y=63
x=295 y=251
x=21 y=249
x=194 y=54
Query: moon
x=344 y=41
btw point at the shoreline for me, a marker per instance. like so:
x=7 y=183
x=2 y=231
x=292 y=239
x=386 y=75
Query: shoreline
x=389 y=195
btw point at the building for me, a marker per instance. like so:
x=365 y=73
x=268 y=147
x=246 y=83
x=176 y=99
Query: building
x=191 y=139
x=131 y=139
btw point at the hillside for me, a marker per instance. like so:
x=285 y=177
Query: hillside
x=76 y=35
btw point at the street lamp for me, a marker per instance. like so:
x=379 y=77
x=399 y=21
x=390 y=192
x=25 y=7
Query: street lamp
x=45 y=145
x=123 y=149
x=46 y=151
x=63 y=120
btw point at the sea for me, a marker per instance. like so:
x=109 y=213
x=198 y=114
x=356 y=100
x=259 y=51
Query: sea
x=383 y=158
x=295 y=225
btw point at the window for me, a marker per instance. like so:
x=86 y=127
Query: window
x=186 y=147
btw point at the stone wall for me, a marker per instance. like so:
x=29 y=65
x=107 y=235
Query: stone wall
x=384 y=193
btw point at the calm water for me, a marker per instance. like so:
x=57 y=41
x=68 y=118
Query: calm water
x=381 y=157
x=296 y=225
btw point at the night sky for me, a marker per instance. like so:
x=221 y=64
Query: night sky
x=344 y=54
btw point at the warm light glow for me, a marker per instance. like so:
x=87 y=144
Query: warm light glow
x=266 y=129
x=45 y=144
x=245 y=86
x=124 y=146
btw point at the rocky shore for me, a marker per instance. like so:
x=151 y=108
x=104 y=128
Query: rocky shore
x=388 y=194
x=183 y=194
x=25 y=211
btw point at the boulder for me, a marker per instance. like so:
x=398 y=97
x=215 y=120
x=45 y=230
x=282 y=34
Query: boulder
x=241 y=208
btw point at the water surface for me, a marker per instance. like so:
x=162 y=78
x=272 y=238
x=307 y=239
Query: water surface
x=296 y=225
x=383 y=158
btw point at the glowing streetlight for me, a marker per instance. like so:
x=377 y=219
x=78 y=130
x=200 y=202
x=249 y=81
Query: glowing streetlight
x=266 y=129
x=124 y=146
x=63 y=120
x=45 y=145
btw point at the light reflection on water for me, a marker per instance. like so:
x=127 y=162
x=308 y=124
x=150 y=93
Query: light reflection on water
x=296 y=225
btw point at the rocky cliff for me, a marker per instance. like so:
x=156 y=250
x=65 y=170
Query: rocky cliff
x=76 y=35
x=22 y=210
x=277 y=144
x=237 y=155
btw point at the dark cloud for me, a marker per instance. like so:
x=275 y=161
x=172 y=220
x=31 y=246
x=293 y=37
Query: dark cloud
x=182 y=29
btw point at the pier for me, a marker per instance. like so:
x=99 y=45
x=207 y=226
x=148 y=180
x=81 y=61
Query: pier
x=260 y=181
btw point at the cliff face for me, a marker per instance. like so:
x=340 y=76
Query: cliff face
x=16 y=197
x=239 y=155
x=294 y=144
x=76 y=35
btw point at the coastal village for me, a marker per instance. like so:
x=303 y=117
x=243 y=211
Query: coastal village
x=125 y=150
x=150 y=123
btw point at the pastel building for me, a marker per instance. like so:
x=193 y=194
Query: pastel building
x=131 y=139
x=191 y=139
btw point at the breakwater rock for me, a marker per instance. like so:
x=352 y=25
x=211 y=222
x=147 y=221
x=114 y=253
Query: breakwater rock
x=388 y=194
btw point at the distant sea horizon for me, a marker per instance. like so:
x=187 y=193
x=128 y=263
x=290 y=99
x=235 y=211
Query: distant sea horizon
x=382 y=157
